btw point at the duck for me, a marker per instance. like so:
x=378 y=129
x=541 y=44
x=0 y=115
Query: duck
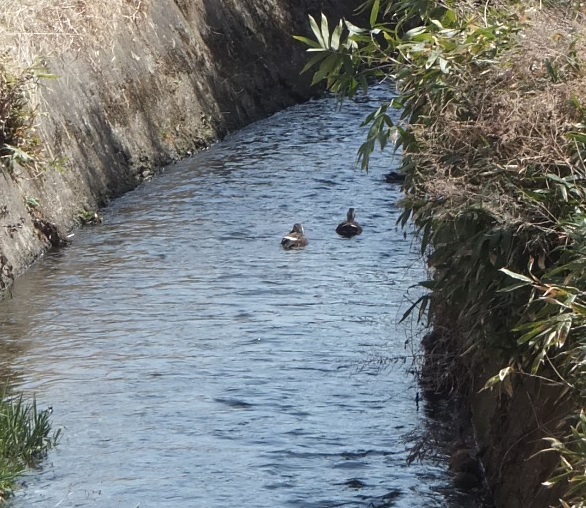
x=295 y=239
x=394 y=177
x=466 y=466
x=349 y=227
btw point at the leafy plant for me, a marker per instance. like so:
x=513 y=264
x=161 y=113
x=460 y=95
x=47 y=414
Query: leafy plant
x=25 y=431
x=19 y=143
x=573 y=464
x=86 y=217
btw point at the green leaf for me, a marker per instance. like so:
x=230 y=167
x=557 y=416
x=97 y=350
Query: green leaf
x=412 y=307
x=499 y=378
x=577 y=136
x=553 y=74
x=437 y=23
x=314 y=60
x=414 y=32
x=336 y=34
x=431 y=59
x=374 y=12
x=326 y=68
x=503 y=373
x=46 y=75
x=354 y=30
x=317 y=32
x=517 y=276
x=325 y=30
x=18 y=154
x=307 y=41
x=443 y=65
x=513 y=287
x=529 y=336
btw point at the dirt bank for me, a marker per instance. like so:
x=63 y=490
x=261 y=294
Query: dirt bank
x=140 y=83
x=504 y=428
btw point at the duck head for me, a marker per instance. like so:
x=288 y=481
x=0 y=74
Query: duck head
x=298 y=228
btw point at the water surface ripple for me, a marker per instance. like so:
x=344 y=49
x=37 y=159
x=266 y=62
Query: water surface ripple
x=193 y=363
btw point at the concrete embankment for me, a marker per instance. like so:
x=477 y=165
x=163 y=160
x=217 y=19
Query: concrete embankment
x=140 y=83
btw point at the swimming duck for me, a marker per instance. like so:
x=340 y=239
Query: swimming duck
x=295 y=239
x=349 y=227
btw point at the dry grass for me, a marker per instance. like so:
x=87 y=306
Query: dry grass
x=32 y=32
x=33 y=28
x=512 y=126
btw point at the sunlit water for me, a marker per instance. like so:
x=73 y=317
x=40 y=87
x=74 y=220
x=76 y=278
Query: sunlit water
x=191 y=362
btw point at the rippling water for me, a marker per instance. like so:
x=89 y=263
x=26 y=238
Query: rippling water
x=193 y=363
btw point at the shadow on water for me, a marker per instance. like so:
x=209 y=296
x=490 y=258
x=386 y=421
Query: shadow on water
x=193 y=362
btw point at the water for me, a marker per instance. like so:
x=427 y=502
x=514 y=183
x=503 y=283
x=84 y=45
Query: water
x=191 y=362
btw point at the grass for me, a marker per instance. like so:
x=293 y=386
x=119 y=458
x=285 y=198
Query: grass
x=33 y=28
x=34 y=33
x=25 y=439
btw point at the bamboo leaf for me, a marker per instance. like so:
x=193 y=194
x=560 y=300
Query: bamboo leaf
x=517 y=276
x=414 y=32
x=374 y=12
x=336 y=34
x=317 y=32
x=354 y=30
x=314 y=60
x=307 y=41
x=407 y=313
x=444 y=65
x=326 y=68
x=325 y=30
x=503 y=373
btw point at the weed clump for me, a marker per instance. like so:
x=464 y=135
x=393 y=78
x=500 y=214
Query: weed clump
x=19 y=143
x=35 y=31
x=25 y=439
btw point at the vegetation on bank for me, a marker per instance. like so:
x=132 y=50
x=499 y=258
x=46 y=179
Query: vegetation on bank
x=25 y=439
x=19 y=143
x=493 y=135
x=30 y=31
x=30 y=28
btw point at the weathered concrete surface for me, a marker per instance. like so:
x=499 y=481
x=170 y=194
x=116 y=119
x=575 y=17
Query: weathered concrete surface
x=162 y=83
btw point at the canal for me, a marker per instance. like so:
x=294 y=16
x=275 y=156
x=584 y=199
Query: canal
x=191 y=362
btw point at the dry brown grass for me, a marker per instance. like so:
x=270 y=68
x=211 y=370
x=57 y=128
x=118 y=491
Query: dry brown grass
x=32 y=32
x=34 y=28
x=512 y=126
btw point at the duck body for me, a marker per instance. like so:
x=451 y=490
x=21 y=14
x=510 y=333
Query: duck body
x=395 y=177
x=349 y=227
x=465 y=464
x=295 y=239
